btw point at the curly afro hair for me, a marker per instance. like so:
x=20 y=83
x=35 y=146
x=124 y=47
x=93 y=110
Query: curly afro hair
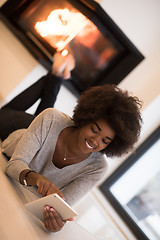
x=120 y=110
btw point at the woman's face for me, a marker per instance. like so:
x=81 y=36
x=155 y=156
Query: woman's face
x=95 y=136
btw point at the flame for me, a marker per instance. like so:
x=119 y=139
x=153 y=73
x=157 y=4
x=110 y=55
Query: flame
x=61 y=26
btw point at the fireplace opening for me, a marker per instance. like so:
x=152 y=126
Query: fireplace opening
x=59 y=26
x=81 y=27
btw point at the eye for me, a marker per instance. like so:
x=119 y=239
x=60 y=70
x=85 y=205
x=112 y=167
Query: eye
x=105 y=142
x=93 y=130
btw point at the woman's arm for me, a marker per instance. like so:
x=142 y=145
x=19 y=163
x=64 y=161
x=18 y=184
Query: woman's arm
x=52 y=219
x=45 y=186
x=29 y=144
x=83 y=183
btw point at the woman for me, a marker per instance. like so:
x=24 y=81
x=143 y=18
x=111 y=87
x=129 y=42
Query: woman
x=66 y=155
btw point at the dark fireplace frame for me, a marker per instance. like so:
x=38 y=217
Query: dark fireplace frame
x=113 y=74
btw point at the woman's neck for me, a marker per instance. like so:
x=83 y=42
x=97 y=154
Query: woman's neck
x=71 y=145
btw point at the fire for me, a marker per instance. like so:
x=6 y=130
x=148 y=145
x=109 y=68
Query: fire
x=61 y=26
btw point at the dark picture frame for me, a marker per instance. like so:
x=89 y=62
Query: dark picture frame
x=114 y=73
x=119 y=173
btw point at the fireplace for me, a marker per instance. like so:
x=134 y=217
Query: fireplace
x=102 y=52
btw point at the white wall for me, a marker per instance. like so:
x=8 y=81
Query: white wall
x=140 y=21
x=15 y=61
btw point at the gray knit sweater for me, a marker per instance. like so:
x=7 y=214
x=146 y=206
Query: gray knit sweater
x=33 y=148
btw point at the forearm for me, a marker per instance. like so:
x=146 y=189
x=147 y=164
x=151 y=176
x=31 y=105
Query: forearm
x=30 y=177
x=45 y=186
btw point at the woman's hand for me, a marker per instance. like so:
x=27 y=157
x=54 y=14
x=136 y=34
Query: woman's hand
x=46 y=187
x=52 y=219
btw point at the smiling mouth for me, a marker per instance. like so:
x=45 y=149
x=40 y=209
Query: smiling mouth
x=89 y=145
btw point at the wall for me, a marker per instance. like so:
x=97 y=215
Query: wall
x=15 y=61
x=140 y=21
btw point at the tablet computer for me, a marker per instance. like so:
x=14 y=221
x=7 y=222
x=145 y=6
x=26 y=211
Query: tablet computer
x=52 y=200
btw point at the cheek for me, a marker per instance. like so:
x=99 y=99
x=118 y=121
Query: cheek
x=103 y=147
x=82 y=135
x=85 y=132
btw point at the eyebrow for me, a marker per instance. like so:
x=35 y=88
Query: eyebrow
x=98 y=126
x=101 y=130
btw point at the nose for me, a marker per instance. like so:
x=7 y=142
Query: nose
x=95 y=142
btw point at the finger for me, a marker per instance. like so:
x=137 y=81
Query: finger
x=47 y=222
x=55 y=217
x=54 y=189
x=61 y=195
x=52 y=220
x=45 y=189
x=45 y=216
x=70 y=219
x=40 y=188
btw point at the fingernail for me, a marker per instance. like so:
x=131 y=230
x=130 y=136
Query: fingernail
x=46 y=208
x=52 y=209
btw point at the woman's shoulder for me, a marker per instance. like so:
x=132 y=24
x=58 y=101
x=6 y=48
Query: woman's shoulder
x=99 y=160
x=51 y=113
x=95 y=167
x=54 y=118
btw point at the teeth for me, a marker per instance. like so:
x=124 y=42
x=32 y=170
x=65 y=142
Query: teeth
x=89 y=146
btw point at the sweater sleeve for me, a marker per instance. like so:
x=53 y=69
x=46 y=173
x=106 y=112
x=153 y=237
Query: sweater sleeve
x=29 y=144
x=81 y=185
